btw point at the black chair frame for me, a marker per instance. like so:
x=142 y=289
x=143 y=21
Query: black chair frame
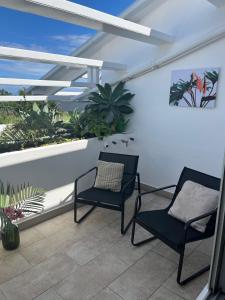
x=187 y=225
x=120 y=208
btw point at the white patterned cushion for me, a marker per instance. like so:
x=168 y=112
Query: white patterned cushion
x=192 y=201
x=109 y=176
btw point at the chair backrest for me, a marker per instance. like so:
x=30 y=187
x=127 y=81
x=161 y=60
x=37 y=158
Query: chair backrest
x=203 y=179
x=130 y=166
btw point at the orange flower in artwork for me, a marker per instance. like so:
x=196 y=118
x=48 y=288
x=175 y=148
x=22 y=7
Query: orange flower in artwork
x=204 y=89
x=199 y=84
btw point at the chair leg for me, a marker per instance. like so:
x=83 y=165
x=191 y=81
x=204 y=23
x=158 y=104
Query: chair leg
x=141 y=242
x=139 y=190
x=193 y=276
x=124 y=230
x=123 y=227
x=84 y=216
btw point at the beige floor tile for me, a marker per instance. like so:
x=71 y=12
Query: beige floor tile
x=189 y=291
x=109 y=232
x=143 y=278
x=37 y=280
x=45 y=248
x=107 y=294
x=66 y=218
x=172 y=255
x=50 y=227
x=165 y=294
x=206 y=246
x=89 y=280
x=19 y=289
x=102 y=215
x=30 y=236
x=61 y=260
x=12 y=265
x=2 y=296
x=197 y=259
x=4 y=253
x=51 y=271
x=193 y=263
x=85 y=250
x=128 y=253
x=49 y=295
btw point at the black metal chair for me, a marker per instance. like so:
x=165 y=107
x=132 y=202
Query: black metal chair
x=171 y=231
x=106 y=198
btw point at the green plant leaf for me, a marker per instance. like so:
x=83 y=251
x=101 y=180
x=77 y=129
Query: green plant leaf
x=126 y=109
x=46 y=109
x=108 y=90
x=36 y=108
x=25 y=197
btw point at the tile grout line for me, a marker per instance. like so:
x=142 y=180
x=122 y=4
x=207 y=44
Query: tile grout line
x=166 y=289
x=30 y=267
x=4 y=294
x=115 y=293
x=150 y=250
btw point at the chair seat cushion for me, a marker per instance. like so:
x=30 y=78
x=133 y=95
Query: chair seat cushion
x=167 y=228
x=101 y=196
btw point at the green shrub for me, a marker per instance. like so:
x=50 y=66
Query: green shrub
x=36 y=124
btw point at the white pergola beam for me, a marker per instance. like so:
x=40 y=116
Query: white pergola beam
x=74 y=13
x=93 y=76
x=50 y=58
x=22 y=98
x=50 y=83
x=85 y=16
x=37 y=98
x=217 y=3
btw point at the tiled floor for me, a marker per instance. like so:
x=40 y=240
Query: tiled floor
x=60 y=260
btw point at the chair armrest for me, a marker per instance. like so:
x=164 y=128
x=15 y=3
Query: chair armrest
x=81 y=176
x=138 y=198
x=188 y=223
x=92 y=169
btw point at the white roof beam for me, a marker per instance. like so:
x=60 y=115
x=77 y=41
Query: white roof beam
x=74 y=13
x=155 y=37
x=93 y=75
x=50 y=58
x=217 y=3
x=76 y=75
x=50 y=83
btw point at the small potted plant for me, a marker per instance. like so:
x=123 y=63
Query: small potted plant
x=15 y=204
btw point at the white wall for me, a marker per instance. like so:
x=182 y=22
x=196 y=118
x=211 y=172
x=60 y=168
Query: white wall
x=173 y=137
x=169 y=138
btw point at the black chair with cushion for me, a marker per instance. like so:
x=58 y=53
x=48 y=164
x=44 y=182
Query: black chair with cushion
x=171 y=231
x=97 y=197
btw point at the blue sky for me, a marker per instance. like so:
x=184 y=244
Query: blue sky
x=28 y=31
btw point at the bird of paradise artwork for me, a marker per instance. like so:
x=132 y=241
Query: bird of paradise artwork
x=194 y=88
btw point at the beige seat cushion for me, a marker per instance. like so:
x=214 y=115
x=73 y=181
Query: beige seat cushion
x=109 y=176
x=192 y=201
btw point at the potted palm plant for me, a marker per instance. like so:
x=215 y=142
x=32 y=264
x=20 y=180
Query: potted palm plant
x=16 y=203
